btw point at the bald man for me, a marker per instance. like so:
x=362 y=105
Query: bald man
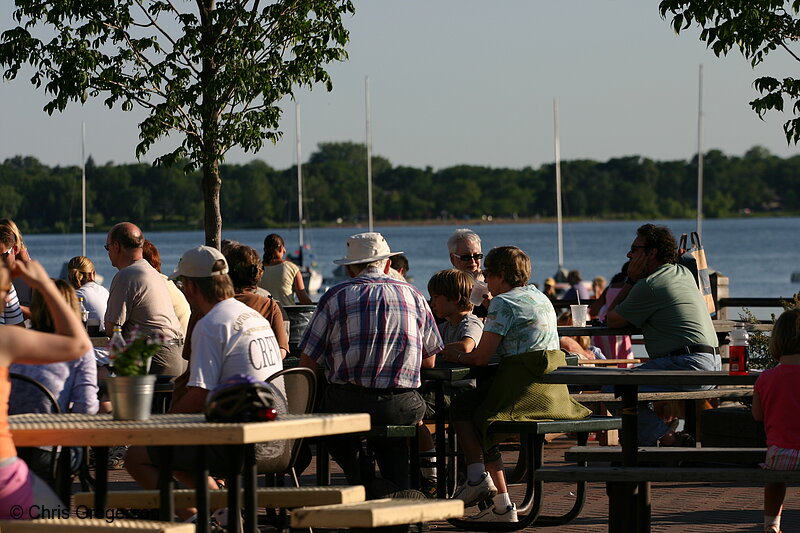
x=138 y=298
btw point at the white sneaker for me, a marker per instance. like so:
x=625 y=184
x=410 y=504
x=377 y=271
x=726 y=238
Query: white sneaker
x=472 y=494
x=490 y=514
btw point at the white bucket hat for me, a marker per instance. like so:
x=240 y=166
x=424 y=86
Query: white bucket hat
x=199 y=263
x=366 y=248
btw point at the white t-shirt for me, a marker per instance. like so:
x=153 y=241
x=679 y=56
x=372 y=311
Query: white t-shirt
x=230 y=339
x=95 y=300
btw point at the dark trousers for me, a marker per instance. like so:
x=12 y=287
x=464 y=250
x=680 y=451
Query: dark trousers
x=385 y=408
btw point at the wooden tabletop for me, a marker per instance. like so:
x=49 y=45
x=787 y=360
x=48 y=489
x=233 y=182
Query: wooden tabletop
x=720 y=326
x=576 y=375
x=74 y=429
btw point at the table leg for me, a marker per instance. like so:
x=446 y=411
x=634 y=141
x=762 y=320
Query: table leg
x=622 y=502
x=201 y=491
x=441 y=441
x=64 y=475
x=166 y=512
x=101 y=481
x=234 y=485
x=250 y=476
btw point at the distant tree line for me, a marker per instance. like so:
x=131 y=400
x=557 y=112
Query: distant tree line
x=48 y=199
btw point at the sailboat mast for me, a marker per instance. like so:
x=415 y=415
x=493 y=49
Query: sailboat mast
x=559 y=221
x=369 y=150
x=700 y=154
x=299 y=176
x=83 y=188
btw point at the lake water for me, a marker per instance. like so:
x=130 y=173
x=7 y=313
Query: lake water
x=758 y=255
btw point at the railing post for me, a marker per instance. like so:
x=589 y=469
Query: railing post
x=720 y=289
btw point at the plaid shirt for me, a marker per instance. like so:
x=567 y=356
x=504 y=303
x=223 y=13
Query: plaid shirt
x=372 y=331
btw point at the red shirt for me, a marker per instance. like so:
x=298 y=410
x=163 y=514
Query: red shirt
x=778 y=390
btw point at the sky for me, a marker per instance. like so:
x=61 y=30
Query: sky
x=473 y=82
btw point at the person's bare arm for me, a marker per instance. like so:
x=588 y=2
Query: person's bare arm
x=300 y=290
x=465 y=345
x=482 y=354
x=428 y=362
x=307 y=362
x=758 y=411
x=69 y=340
x=194 y=401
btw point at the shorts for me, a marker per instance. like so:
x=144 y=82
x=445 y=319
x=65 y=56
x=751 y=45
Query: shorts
x=781 y=459
x=220 y=457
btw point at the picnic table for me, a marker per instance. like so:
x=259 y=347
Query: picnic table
x=622 y=499
x=101 y=431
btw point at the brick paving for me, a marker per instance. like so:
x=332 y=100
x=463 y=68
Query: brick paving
x=676 y=507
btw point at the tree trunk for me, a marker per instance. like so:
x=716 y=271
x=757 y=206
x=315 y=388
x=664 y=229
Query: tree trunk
x=212 y=216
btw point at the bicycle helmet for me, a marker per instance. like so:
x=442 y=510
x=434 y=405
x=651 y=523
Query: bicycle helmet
x=242 y=398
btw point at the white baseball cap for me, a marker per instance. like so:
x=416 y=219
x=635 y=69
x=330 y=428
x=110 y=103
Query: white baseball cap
x=199 y=263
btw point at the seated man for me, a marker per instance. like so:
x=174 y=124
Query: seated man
x=662 y=298
x=230 y=339
x=373 y=334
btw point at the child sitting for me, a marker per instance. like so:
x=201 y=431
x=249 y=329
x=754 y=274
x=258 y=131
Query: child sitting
x=461 y=331
x=776 y=400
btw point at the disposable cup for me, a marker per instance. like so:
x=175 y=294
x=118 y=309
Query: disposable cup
x=580 y=313
x=479 y=290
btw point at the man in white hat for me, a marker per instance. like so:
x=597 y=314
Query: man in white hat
x=373 y=334
x=230 y=339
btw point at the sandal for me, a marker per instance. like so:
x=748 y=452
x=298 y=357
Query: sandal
x=681 y=439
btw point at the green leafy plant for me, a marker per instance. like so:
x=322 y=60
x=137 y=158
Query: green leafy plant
x=760 y=356
x=209 y=74
x=133 y=359
x=755 y=28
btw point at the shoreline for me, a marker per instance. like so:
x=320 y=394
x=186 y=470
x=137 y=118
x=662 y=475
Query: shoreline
x=459 y=222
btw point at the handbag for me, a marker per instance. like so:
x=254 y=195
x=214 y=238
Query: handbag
x=694 y=259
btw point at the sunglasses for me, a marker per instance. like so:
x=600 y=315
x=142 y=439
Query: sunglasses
x=6 y=253
x=635 y=247
x=106 y=247
x=468 y=257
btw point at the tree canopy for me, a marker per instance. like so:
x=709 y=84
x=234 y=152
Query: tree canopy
x=47 y=199
x=755 y=28
x=209 y=72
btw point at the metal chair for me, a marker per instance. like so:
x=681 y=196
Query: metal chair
x=22 y=387
x=301 y=386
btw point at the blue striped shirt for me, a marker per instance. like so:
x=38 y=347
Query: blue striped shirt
x=372 y=331
x=12 y=314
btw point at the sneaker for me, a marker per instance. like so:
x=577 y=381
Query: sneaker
x=490 y=514
x=116 y=457
x=473 y=494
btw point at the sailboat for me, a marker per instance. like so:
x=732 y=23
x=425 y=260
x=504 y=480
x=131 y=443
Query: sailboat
x=303 y=257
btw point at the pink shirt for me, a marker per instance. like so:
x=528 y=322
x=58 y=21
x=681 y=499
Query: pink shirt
x=778 y=391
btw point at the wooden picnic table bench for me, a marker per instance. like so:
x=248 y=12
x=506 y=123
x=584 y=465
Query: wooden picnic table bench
x=667 y=455
x=640 y=474
x=531 y=457
x=373 y=514
x=93 y=525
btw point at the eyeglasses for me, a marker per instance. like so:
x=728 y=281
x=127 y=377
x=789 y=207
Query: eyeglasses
x=6 y=253
x=635 y=247
x=468 y=257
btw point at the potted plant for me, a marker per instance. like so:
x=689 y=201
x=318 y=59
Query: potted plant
x=131 y=387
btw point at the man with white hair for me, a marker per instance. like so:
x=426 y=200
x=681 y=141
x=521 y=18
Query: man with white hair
x=464 y=246
x=373 y=334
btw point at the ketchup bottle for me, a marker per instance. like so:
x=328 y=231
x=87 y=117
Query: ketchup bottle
x=738 y=351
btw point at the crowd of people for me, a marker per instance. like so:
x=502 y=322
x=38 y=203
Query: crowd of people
x=220 y=317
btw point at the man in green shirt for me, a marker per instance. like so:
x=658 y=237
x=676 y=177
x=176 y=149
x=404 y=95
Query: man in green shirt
x=661 y=297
